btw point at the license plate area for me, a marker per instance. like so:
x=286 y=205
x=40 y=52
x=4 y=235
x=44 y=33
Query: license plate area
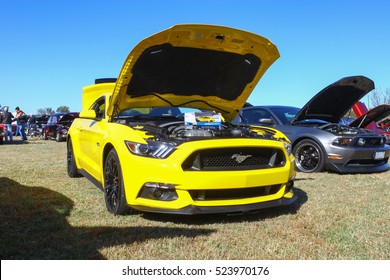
x=379 y=155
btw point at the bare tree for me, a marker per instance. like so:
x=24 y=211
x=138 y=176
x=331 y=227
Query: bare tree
x=378 y=97
x=45 y=111
x=63 y=109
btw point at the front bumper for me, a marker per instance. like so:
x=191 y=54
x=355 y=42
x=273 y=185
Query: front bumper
x=359 y=168
x=168 y=186
x=357 y=160
x=196 y=210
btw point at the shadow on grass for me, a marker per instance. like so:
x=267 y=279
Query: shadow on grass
x=29 y=141
x=33 y=225
x=14 y=142
x=303 y=179
x=259 y=215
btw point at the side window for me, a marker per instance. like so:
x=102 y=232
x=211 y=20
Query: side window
x=99 y=107
x=253 y=116
x=52 y=119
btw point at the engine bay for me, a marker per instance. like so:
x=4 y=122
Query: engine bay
x=179 y=132
x=340 y=129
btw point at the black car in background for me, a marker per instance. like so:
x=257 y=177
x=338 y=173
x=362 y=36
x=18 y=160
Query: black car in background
x=58 y=125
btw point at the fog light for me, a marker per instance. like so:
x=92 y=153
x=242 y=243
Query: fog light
x=361 y=142
x=158 y=191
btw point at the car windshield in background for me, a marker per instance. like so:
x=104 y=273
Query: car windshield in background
x=285 y=114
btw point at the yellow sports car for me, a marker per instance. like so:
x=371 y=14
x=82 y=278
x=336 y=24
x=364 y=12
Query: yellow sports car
x=131 y=139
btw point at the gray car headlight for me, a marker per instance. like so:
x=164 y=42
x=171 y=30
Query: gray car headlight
x=342 y=141
x=152 y=149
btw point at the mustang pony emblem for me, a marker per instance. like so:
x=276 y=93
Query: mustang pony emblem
x=240 y=158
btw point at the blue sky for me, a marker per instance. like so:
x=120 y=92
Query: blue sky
x=49 y=50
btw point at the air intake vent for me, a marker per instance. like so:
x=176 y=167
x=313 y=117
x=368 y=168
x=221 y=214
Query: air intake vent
x=234 y=159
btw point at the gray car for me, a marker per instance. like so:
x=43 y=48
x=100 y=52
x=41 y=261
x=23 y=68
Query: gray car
x=319 y=141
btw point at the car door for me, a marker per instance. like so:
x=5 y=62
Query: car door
x=91 y=135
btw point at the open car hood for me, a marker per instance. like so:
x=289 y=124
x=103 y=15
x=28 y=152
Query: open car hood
x=68 y=117
x=197 y=66
x=374 y=115
x=334 y=101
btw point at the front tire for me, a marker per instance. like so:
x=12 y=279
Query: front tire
x=114 y=193
x=70 y=161
x=309 y=156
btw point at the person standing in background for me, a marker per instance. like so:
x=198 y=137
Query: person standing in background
x=17 y=131
x=32 y=125
x=7 y=121
x=21 y=120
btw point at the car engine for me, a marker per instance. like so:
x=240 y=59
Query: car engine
x=339 y=129
x=179 y=132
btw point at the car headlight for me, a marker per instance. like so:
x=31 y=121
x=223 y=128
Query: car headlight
x=152 y=149
x=342 y=141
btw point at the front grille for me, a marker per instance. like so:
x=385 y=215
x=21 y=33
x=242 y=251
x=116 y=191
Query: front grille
x=234 y=159
x=242 y=193
x=372 y=141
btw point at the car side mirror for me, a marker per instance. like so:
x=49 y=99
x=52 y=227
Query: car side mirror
x=88 y=114
x=266 y=121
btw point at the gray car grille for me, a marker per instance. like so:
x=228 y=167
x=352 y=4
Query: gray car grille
x=372 y=141
x=234 y=159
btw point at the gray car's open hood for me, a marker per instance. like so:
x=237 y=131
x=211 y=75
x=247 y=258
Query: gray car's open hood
x=334 y=101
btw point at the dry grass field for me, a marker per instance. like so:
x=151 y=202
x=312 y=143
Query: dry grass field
x=44 y=214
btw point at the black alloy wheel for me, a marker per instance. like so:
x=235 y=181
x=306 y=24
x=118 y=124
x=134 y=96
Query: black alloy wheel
x=114 y=194
x=309 y=156
x=70 y=161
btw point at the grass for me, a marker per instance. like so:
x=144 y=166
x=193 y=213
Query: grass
x=44 y=214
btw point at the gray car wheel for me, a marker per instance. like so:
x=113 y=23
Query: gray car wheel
x=309 y=156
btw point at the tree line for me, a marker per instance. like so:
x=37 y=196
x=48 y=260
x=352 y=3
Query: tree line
x=49 y=111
